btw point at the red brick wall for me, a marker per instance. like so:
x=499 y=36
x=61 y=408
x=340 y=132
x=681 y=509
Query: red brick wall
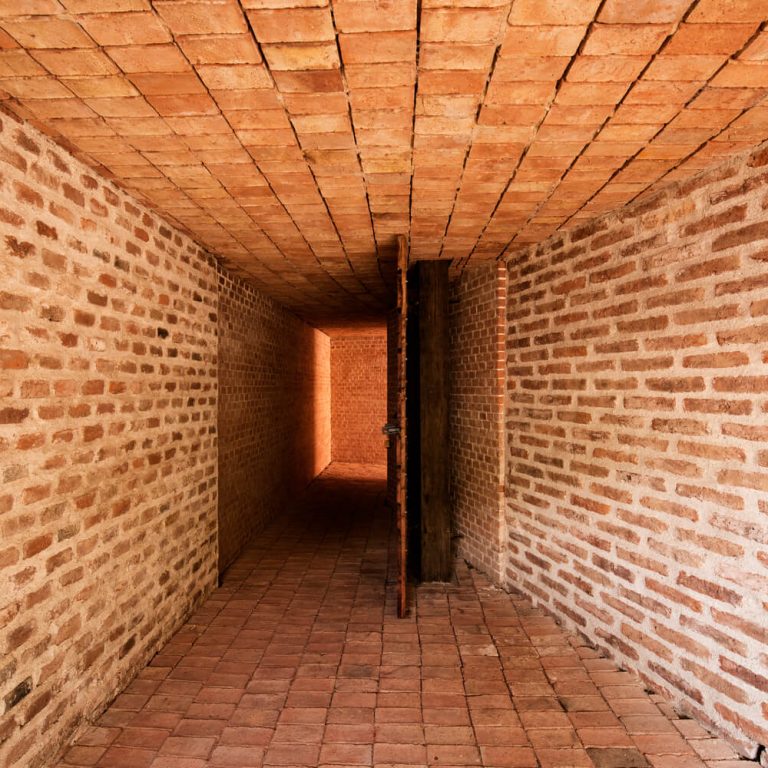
x=359 y=398
x=274 y=410
x=477 y=333
x=107 y=440
x=637 y=469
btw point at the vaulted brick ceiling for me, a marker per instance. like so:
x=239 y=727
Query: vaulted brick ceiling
x=298 y=138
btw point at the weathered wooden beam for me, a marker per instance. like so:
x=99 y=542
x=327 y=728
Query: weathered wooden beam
x=436 y=560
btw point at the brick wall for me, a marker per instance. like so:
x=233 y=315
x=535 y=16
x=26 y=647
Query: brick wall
x=359 y=398
x=274 y=411
x=637 y=470
x=477 y=331
x=107 y=440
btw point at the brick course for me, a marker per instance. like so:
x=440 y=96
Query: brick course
x=274 y=411
x=477 y=318
x=359 y=398
x=637 y=478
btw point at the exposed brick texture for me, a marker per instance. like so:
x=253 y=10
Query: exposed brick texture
x=359 y=398
x=477 y=332
x=274 y=410
x=637 y=474
x=108 y=344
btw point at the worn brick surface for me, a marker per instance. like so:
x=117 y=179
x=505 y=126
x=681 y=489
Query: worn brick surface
x=359 y=398
x=636 y=472
x=298 y=138
x=476 y=403
x=274 y=419
x=298 y=659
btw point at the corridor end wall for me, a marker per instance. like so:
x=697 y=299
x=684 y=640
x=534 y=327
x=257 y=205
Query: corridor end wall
x=359 y=397
x=637 y=469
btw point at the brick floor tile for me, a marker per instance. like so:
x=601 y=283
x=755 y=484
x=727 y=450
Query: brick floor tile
x=554 y=738
x=509 y=757
x=126 y=757
x=647 y=724
x=605 y=737
x=501 y=736
x=254 y=717
x=713 y=749
x=611 y=757
x=397 y=714
x=663 y=744
x=303 y=715
x=245 y=736
x=563 y=758
x=83 y=755
x=676 y=761
x=453 y=754
x=179 y=762
x=97 y=736
x=399 y=754
x=506 y=717
x=449 y=734
x=188 y=746
x=594 y=720
x=349 y=734
x=399 y=733
x=190 y=727
x=237 y=757
x=150 y=738
x=292 y=754
x=346 y=754
x=210 y=711
x=350 y=715
x=302 y=733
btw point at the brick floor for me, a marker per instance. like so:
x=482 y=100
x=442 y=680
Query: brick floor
x=298 y=660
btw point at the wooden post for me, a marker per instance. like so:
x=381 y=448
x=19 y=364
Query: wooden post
x=401 y=449
x=436 y=560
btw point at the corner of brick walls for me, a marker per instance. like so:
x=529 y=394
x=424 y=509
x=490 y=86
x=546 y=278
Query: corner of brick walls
x=108 y=453
x=359 y=398
x=637 y=469
x=274 y=410
x=476 y=412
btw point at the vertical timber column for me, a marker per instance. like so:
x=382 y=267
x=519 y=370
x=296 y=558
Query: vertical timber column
x=436 y=560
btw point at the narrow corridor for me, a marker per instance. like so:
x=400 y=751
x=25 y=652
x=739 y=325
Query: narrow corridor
x=298 y=660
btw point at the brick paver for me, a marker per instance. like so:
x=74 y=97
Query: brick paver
x=298 y=659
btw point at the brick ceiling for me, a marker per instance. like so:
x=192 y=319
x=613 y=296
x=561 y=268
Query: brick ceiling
x=298 y=138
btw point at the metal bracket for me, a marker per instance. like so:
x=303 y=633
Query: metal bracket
x=390 y=429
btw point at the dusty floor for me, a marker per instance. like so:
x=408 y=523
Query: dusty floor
x=298 y=660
